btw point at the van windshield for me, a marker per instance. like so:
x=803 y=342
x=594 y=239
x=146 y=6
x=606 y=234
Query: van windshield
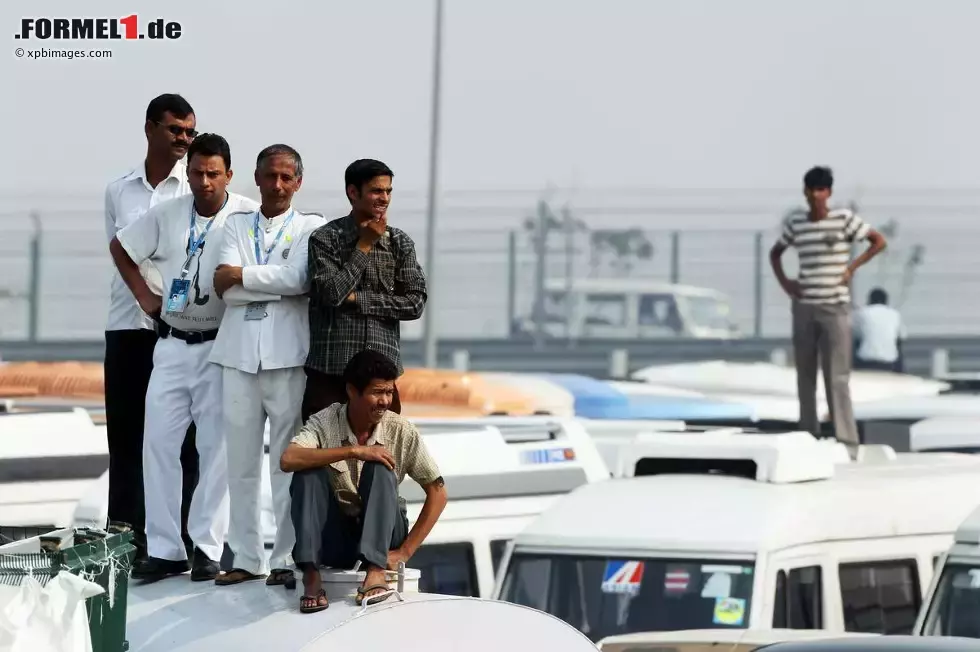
x=603 y=596
x=708 y=312
x=955 y=610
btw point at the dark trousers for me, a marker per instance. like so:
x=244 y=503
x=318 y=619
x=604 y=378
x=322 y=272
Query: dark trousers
x=327 y=536
x=323 y=390
x=127 y=368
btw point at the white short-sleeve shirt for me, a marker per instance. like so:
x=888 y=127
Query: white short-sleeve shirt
x=162 y=236
x=126 y=200
x=879 y=329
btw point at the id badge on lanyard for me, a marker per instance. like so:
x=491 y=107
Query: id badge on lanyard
x=257 y=310
x=180 y=287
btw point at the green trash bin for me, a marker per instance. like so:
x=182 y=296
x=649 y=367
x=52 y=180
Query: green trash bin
x=100 y=558
x=104 y=559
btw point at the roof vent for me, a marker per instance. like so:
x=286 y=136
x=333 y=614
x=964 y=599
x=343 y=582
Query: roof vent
x=776 y=458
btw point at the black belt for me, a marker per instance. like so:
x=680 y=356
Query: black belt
x=165 y=330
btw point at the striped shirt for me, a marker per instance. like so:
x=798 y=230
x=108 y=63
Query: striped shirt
x=824 y=250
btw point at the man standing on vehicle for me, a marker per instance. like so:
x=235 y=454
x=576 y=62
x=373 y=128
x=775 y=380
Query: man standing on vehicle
x=262 y=344
x=130 y=332
x=347 y=463
x=822 y=300
x=364 y=280
x=181 y=237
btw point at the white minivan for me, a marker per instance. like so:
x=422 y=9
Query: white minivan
x=726 y=529
x=952 y=604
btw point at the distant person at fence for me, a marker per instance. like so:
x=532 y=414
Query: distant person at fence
x=822 y=300
x=262 y=344
x=878 y=335
x=364 y=281
x=182 y=237
x=170 y=128
x=347 y=463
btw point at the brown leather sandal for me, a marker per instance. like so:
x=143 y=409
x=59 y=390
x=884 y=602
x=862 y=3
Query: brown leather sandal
x=236 y=576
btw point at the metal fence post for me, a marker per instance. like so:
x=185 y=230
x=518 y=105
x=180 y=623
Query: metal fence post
x=540 y=271
x=511 y=281
x=34 y=291
x=759 y=270
x=675 y=257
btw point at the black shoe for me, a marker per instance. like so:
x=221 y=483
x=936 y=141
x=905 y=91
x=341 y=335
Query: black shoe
x=154 y=569
x=204 y=569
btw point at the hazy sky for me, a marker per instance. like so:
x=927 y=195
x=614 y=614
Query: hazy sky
x=684 y=93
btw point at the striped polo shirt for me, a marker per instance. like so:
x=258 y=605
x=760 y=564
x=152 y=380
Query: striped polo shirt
x=824 y=250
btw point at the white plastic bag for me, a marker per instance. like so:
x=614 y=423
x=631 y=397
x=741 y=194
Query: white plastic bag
x=51 y=618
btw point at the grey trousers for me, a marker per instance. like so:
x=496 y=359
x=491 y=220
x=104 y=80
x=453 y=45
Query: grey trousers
x=823 y=332
x=327 y=536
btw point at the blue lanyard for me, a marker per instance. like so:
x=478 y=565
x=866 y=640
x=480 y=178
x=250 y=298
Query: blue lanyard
x=255 y=237
x=194 y=244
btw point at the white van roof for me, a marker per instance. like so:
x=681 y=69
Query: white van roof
x=655 y=640
x=945 y=433
x=733 y=377
x=969 y=530
x=893 y=495
x=181 y=616
x=915 y=408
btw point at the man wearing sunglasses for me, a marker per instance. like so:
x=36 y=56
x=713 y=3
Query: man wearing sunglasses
x=170 y=128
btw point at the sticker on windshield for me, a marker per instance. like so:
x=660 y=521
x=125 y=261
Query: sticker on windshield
x=719 y=585
x=676 y=580
x=622 y=577
x=729 y=611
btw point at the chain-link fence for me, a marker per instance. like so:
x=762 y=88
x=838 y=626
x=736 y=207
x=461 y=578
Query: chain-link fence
x=55 y=270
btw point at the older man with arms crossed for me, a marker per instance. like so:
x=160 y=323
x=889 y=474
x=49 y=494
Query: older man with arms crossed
x=347 y=463
x=262 y=345
x=181 y=238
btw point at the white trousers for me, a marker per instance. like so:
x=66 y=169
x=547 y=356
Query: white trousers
x=184 y=386
x=248 y=400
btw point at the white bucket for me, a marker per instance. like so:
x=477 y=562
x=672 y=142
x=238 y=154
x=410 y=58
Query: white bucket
x=343 y=584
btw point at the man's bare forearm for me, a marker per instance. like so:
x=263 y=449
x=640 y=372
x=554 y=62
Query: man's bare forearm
x=876 y=246
x=435 y=502
x=776 y=262
x=298 y=458
x=128 y=270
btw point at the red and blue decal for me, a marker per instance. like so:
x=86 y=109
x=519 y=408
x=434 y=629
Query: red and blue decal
x=622 y=577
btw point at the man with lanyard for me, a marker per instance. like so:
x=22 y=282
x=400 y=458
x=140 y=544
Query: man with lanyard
x=262 y=346
x=176 y=236
x=130 y=332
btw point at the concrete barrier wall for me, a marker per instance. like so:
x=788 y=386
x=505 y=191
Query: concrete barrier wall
x=599 y=358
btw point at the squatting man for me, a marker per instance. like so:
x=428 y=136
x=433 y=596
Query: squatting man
x=347 y=463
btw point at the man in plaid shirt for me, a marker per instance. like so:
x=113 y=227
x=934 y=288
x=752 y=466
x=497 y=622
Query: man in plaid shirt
x=364 y=280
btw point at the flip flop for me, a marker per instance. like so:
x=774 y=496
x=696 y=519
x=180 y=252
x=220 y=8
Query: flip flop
x=280 y=576
x=236 y=576
x=371 y=599
x=322 y=595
